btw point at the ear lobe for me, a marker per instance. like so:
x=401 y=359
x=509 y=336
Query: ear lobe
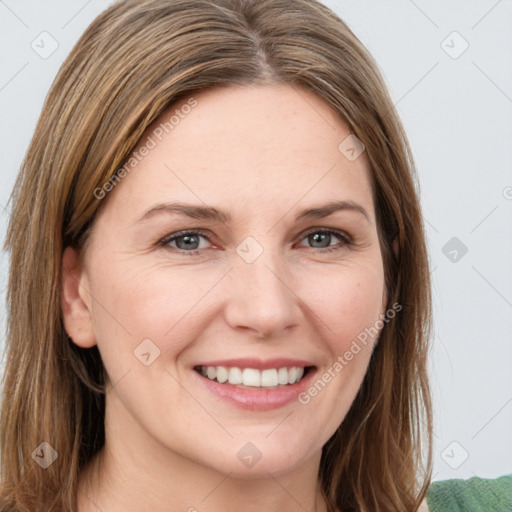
x=75 y=311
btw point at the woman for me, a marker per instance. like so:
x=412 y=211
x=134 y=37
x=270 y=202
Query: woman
x=219 y=294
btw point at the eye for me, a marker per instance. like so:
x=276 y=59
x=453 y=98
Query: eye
x=323 y=237
x=189 y=242
x=186 y=241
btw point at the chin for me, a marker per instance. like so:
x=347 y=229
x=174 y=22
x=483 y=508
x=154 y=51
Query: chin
x=259 y=457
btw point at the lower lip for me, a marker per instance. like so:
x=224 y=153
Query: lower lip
x=258 y=399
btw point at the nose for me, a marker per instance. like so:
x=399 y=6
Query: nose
x=261 y=298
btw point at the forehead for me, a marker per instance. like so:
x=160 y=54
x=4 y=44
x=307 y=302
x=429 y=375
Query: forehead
x=256 y=148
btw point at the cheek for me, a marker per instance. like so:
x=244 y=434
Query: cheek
x=348 y=307
x=135 y=303
x=347 y=298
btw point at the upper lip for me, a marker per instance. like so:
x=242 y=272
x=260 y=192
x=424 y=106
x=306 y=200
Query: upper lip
x=258 y=364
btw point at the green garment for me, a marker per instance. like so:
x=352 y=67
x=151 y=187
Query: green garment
x=473 y=495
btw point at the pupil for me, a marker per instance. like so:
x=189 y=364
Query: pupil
x=188 y=241
x=318 y=236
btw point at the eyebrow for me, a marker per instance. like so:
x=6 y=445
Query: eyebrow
x=212 y=213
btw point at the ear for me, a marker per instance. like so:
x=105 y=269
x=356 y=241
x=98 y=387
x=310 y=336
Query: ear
x=75 y=308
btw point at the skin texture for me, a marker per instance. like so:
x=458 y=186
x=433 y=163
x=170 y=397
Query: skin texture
x=262 y=153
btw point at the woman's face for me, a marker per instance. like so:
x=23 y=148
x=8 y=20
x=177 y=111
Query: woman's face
x=269 y=277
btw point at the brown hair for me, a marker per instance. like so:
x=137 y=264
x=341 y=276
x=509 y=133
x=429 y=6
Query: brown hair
x=133 y=62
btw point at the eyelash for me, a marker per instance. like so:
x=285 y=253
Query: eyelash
x=346 y=240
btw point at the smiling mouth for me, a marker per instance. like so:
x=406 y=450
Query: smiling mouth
x=252 y=378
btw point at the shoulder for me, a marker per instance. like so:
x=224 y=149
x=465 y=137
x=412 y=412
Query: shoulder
x=473 y=494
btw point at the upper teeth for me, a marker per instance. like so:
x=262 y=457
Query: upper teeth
x=253 y=377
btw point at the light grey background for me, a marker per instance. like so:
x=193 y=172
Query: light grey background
x=457 y=110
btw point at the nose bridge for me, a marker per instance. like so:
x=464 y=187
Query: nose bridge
x=260 y=295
